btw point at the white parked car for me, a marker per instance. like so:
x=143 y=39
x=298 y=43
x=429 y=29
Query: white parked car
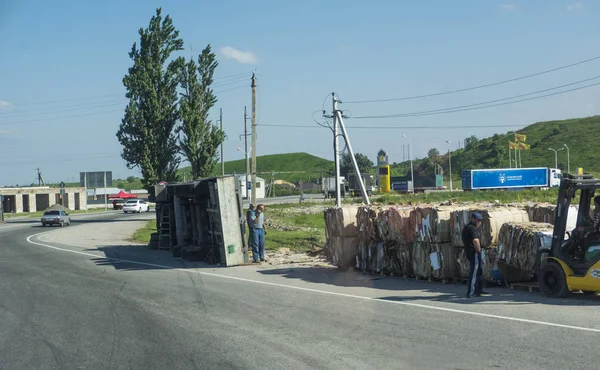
x=136 y=205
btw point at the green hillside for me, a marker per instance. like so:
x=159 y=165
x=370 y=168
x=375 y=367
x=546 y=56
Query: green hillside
x=580 y=134
x=289 y=166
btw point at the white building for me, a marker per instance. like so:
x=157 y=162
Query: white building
x=260 y=186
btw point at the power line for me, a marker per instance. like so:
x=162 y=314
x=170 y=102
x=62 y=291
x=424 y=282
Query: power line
x=458 y=109
x=473 y=87
x=94 y=113
x=118 y=94
x=60 y=110
x=396 y=127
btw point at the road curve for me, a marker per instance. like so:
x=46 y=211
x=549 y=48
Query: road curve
x=64 y=307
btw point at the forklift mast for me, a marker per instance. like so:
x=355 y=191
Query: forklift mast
x=569 y=185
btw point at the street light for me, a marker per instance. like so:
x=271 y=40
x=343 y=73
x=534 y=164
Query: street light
x=449 y=164
x=247 y=169
x=412 y=173
x=556 y=155
x=568 y=159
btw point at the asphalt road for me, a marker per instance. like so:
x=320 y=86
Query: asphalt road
x=69 y=307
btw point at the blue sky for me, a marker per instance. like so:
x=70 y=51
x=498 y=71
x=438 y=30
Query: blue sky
x=62 y=64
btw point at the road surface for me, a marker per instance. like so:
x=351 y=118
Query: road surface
x=67 y=305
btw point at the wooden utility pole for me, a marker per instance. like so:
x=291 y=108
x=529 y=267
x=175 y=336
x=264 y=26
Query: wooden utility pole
x=221 y=125
x=246 y=153
x=253 y=185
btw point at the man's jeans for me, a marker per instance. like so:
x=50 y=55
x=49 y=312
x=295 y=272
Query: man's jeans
x=258 y=244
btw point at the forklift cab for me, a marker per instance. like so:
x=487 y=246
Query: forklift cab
x=573 y=262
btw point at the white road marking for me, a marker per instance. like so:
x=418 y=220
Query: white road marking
x=436 y=308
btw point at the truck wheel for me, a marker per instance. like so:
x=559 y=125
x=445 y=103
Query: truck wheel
x=552 y=281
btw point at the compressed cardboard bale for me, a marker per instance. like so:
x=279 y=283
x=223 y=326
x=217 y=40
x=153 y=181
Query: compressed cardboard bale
x=546 y=213
x=366 y=218
x=493 y=218
x=432 y=224
x=435 y=260
x=341 y=221
x=520 y=244
x=342 y=235
x=489 y=259
x=395 y=230
x=394 y=224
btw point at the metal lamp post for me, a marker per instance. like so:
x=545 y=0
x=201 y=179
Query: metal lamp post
x=412 y=173
x=556 y=155
x=568 y=159
x=449 y=164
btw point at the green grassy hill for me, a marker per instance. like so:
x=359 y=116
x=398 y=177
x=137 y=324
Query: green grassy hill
x=580 y=134
x=289 y=166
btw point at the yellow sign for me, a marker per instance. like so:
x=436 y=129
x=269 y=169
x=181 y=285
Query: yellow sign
x=520 y=137
x=580 y=171
x=512 y=145
x=523 y=146
x=384 y=178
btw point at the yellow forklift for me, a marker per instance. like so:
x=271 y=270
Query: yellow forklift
x=573 y=263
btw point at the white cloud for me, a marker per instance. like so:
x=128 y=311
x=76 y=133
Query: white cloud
x=574 y=7
x=508 y=7
x=7 y=132
x=243 y=57
x=5 y=104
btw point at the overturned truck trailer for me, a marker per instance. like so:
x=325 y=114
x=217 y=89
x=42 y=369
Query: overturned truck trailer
x=201 y=221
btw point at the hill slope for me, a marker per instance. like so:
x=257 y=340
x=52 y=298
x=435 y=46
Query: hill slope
x=299 y=166
x=580 y=134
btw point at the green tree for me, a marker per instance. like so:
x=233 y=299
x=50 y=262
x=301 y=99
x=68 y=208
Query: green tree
x=130 y=179
x=365 y=165
x=146 y=131
x=199 y=139
x=433 y=154
x=471 y=142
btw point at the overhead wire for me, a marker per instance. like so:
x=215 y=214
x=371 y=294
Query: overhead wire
x=474 y=87
x=217 y=79
x=90 y=113
x=397 y=127
x=479 y=105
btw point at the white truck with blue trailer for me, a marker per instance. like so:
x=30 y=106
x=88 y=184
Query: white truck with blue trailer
x=510 y=178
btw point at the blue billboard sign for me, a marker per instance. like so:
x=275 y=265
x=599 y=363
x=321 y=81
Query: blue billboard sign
x=509 y=178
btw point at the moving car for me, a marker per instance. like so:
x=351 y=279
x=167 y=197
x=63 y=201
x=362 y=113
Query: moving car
x=136 y=205
x=55 y=217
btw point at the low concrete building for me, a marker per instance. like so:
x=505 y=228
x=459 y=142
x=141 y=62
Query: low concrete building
x=35 y=199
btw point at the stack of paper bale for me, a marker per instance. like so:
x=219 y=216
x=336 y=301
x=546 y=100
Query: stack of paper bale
x=433 y=260
x=493 y=219
x=370 y=255
x=397 y=233
x=520 y=244
x=433 y=254
x=546 y=213
x=342 y=235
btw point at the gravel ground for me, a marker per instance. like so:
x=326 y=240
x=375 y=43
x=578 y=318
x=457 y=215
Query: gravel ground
x=97 y=234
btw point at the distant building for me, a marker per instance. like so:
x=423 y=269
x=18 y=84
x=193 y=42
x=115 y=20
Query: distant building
x=260 y=186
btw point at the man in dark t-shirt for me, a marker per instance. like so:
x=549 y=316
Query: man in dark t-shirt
x=471 y=241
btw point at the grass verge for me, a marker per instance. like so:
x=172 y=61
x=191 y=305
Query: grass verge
x=142 y=235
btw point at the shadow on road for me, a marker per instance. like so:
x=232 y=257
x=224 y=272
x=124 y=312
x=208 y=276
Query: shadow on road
x=426 y=291
x=143 y=258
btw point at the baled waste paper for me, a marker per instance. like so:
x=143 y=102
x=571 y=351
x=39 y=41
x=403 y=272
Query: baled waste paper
x=520 y=244
x=425 y=242
x=342 y=235
x=493 y=218
x=435 y=260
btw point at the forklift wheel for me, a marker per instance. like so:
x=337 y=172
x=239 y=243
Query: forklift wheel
x=552 y=281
